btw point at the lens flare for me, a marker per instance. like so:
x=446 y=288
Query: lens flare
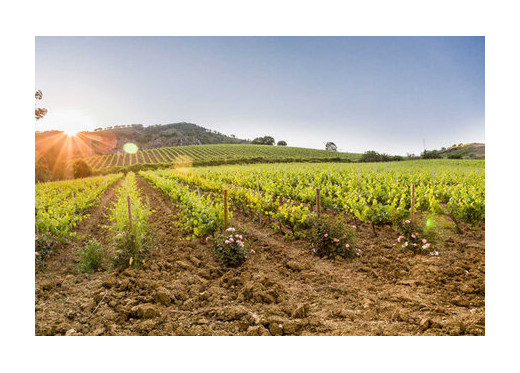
x=130 y=148
x=429 y=223
x=70 y=132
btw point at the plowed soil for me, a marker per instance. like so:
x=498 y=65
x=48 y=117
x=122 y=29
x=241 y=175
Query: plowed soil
x=281 y=290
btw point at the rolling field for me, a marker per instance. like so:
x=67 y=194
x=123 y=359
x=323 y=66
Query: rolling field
x=216 y=154
x=283 y=288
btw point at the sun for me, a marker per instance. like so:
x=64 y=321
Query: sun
x=70 y=132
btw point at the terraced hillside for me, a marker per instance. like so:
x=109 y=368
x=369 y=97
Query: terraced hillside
x=215 y=154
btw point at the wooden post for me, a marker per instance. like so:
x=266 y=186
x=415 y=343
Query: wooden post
x=226 y=219
x=412 y=208
x=129 y=211
x=198 y=192
x=258 y=193
x=318 y=202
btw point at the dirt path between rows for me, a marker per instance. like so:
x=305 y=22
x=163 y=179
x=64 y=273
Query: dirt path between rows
x=281 y=290
x=62 y=261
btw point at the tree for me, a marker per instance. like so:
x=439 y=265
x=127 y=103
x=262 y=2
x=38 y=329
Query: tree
x=266 y=140
x=39 y=113
x=433 y=154
x=371 y=156
x=81 y=169
x=42 y=171
x=281 y=143
x=331 y=146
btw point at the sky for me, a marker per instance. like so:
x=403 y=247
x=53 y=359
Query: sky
x=389 y=94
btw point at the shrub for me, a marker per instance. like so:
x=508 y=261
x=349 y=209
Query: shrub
x=412 y=237
x=281 y=143
x=44 y=245
x=455 y=156
x=81 y=169
x=433 y=154
x=132 y=248
x=229 y=248
x=90 y=257
x=333 y=239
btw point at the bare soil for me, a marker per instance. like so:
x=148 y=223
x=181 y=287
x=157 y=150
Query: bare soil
x=281 y=290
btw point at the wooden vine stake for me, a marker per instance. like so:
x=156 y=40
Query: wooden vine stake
x=413 y=203
x=226 y=219
x=258 y=193
x=318 y=202
x=129 y=212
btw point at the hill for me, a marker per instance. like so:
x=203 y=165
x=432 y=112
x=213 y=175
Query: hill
x=195 y=155
x=111 y=139
x=464 y=151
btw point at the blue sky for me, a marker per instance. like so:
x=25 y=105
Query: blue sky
x=363 y=93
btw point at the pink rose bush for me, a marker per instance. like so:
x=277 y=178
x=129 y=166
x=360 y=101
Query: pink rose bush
x=333 y=239
x=412 y=238
x=230 y=248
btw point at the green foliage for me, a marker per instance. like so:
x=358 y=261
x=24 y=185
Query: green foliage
x=266 y=140
x=230 y=249
x=373 y=193
x=281 y=143
x=373 y=156
x=133 y=241
x=430 y=154
x=132 y=248
x=468 y=204
x=44 y=245
x=293 y=216
x=61 y=205
x=201 y=215
x=90 y=257
x=331 y=239
x=81 y=169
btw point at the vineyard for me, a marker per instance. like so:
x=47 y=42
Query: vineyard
x=171 y=231
x=61 y=205
x=375 y=194
x=214 y=154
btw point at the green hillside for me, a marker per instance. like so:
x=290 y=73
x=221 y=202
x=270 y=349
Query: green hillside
x=464 y=151
x=195 y=155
